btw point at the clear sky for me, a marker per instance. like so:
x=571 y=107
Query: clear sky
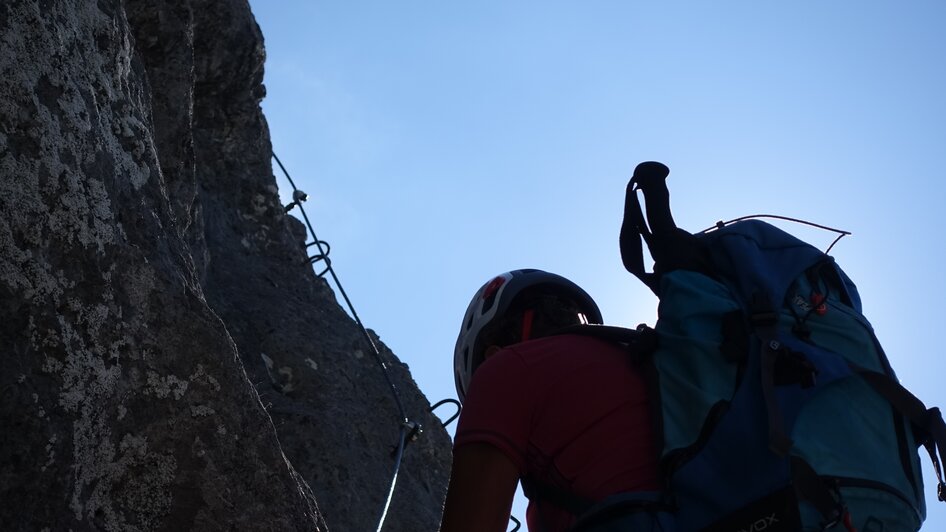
x=444 y=142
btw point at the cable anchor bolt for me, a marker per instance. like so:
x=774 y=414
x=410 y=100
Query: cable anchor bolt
x=414 y=430
x=298 y=198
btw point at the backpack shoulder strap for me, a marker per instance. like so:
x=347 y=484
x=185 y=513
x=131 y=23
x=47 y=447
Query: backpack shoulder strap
x=640 y=342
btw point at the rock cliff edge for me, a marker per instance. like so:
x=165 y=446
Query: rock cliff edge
x=169 y=359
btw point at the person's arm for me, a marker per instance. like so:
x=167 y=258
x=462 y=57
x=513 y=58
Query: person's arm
x=482 y=485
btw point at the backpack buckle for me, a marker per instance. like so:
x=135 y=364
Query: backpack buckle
x=761 y=313
x=792 y=367
x=763 y=319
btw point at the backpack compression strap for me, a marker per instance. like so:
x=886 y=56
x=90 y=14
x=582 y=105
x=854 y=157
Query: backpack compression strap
x=764 y=323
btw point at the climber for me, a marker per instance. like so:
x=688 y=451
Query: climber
x=565 y=413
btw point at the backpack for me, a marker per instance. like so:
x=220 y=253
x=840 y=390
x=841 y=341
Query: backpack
x=776 y=406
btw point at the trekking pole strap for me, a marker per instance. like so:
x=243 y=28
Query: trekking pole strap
x=929 y=420
x=670 y=247
x=658 y=230
x=634 y=233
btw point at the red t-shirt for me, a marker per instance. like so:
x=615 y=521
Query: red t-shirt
x=570 y=411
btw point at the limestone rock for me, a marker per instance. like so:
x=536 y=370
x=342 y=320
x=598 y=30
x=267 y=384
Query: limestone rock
x=152 y=291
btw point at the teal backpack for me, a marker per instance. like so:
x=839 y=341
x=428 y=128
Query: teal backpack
x=777 y=407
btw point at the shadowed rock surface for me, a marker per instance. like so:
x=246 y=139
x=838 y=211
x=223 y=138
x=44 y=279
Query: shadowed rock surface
x=152 y=291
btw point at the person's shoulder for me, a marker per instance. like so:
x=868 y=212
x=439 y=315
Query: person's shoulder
x=506 y=363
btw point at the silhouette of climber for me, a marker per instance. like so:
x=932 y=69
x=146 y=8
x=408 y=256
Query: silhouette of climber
x=565 y=413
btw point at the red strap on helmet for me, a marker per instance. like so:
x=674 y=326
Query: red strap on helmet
x=492 y=287
x=527 y=324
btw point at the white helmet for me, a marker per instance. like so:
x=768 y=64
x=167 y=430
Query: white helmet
x=492 y=301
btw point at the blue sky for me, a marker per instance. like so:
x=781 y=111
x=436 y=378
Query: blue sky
x=442 y=143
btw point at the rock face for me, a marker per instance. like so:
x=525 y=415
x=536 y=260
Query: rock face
x=169 y=359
